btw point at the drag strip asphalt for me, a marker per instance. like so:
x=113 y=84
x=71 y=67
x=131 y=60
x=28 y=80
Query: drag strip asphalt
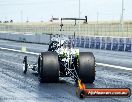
x=18 y=87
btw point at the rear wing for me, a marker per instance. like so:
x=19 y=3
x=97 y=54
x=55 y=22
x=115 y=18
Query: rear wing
x=75 y=19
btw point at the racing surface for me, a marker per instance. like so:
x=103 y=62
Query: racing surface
x=17 y=87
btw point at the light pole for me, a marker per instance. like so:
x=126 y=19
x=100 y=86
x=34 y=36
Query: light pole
x=122 y=16
x=97 y=22
x=79 y=8
x=79 y=14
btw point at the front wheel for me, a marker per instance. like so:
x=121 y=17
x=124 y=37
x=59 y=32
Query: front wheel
x=25 y=65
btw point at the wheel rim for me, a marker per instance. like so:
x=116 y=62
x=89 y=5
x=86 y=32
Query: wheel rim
x=24 y=67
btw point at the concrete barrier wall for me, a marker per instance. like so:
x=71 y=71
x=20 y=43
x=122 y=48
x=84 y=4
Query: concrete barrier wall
x=93 y=42
x=43 y=39
x=105 y=43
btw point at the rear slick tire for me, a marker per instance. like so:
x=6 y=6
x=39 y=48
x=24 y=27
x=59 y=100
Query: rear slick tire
x=86 y=69
x=49 y=67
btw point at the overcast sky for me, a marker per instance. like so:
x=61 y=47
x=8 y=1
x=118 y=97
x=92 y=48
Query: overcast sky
x=36 y=10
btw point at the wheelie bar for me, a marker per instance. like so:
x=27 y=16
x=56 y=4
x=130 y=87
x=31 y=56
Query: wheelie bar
x=83 y=92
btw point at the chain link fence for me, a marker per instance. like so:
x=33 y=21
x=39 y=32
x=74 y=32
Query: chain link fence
x=114 y=29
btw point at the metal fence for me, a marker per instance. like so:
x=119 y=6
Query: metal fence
x=114 y=29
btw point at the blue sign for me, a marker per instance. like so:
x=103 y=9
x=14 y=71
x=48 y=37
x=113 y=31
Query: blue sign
x=108 y=46
x=128 y=45
x=82 y=42
x=70 y=37
x=92 y=42
x=78 y=42
x=87 y=42
x=97 y=43
x=121 y=44
x=115 y=44
x=103 y=43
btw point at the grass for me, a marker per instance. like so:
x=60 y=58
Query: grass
x=104 y=28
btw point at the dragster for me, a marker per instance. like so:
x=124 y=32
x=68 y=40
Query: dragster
x=63 y=60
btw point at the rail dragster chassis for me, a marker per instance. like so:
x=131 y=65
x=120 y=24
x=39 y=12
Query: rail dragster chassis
x=63 y=60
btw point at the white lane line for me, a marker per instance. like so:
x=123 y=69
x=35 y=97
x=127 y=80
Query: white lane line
x=100 y=64
x=114 y=66
x=33 y=53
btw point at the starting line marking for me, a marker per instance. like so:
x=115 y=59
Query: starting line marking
x=14 y=50
x=100 y=64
